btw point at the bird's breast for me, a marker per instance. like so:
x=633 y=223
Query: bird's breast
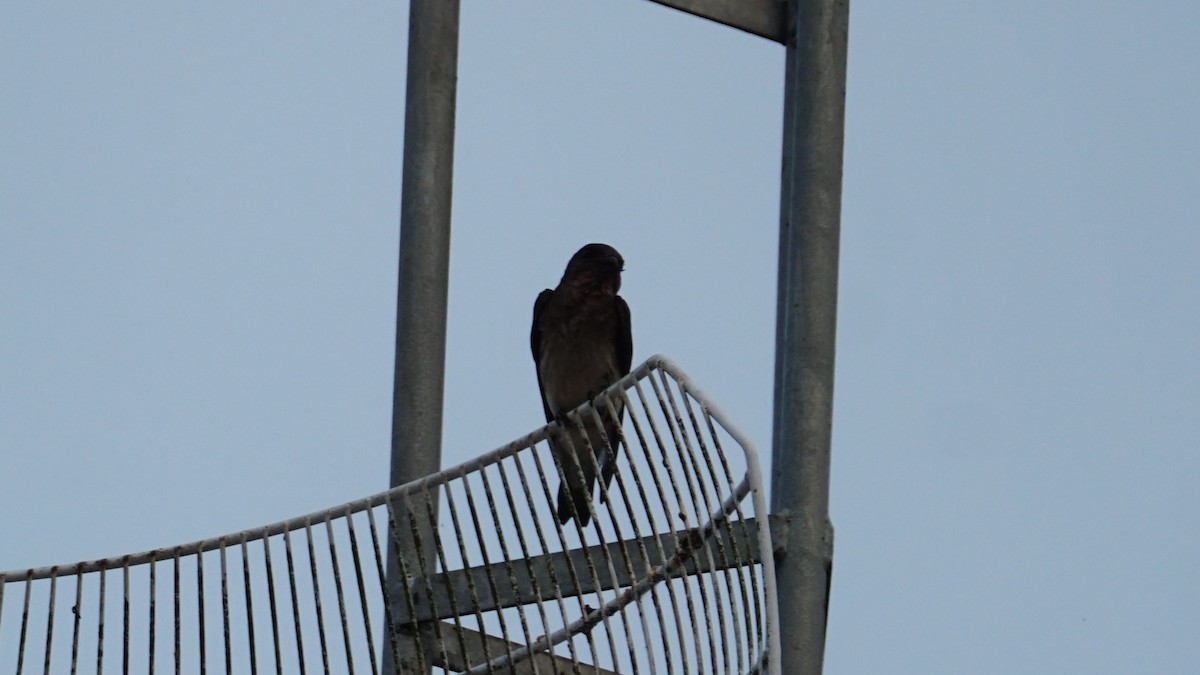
x=575 y=365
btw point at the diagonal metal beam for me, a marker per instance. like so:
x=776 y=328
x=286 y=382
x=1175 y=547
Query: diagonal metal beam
x=449 y=653
x=732 y=545
x=764 y=18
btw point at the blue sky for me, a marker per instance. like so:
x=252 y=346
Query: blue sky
x=198 y=234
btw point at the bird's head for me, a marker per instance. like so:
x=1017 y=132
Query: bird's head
x=595 y=266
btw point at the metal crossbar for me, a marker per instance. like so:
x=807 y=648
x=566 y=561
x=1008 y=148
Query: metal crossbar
x=673 y=576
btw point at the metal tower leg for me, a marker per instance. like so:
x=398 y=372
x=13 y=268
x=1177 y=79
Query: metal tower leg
x=806 y=322
x=424 y=257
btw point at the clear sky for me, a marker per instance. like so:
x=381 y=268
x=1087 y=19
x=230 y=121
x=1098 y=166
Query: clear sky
x=198 y=242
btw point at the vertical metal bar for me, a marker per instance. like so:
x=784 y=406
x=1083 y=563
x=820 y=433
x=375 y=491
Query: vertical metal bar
x=269 y=568
x=316 y=589
x=201 y=646
x=341 y=598
x=100 y=625
x=50 y=618
x=153 y=613
x=125 y=615
x=251 y=643
x=178 y=650
x=77 y=610
x=24 y=622
x=381 y=576
x=809 y=230
x=225 y=607
x=299 y=639
x=424 y=269
x=360 y=586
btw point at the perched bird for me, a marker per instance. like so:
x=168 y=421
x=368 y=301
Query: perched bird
x=581 y=344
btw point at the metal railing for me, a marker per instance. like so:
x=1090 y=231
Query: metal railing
x=674 y=575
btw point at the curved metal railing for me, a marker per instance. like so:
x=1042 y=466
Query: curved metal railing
x=465 y=570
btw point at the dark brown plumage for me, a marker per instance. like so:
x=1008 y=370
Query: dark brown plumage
x=582 y=343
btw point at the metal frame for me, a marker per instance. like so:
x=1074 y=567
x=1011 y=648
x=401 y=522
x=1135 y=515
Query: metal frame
x=814 y=33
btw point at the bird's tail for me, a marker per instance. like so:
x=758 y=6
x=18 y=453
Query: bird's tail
x=609 y=454
x=573 y=504
x=579 y=470
x=574 y=496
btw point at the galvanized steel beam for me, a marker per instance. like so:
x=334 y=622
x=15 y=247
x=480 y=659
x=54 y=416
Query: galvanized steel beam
x=815 y=34
x=449 y=654
x=424 y=240
x=516 y=583
x=423 y=278
x=764 y=18
x=806 y=322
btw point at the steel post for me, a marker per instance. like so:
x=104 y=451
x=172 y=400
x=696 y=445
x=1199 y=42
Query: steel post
x=806 y=321
x=424 y=251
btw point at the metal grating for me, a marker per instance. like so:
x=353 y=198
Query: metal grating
x=670 y=577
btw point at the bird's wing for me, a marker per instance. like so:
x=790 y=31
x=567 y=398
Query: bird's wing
x=535 y=344
x=623 y=337
x=623 y=340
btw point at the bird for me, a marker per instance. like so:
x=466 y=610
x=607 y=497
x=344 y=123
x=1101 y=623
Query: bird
x=582 y=343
